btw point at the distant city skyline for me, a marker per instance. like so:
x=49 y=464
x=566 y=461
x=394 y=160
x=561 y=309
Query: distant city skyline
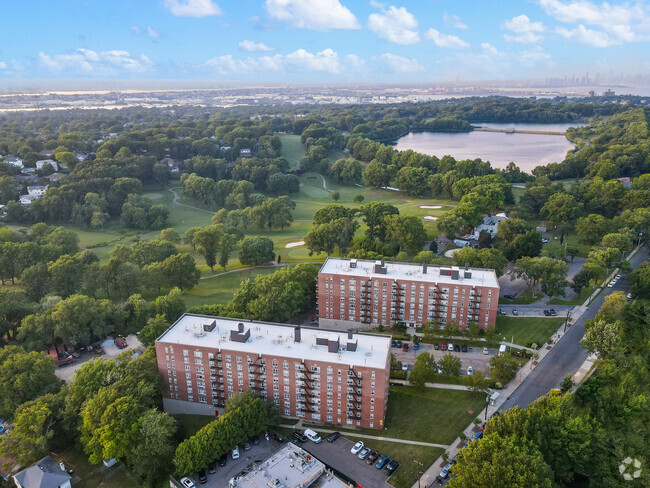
x=325 y=40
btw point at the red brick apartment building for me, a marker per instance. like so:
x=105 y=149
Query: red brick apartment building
x=355 y=292
x=337 y=377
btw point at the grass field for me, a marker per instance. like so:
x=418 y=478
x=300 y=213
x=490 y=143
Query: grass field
x=577 y=300
x=527 y=330
x=292 y=149
x=93 y=476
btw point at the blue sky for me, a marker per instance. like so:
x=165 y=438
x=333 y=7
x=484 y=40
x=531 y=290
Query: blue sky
x=322 y=40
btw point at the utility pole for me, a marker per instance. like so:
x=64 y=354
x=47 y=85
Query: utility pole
x=419 y=470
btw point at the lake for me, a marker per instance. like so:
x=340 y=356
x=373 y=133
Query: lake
x=526 y=150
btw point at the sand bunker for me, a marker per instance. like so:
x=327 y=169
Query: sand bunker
x=430 y=206
x=294 y=244
x=430 y=217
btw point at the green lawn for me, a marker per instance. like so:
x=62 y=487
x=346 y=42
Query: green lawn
x=577 y=300
x=292 y=149
x=93 y=476
x=406 y=454
x=527 y=330
x=191 y=424
x=524 y=298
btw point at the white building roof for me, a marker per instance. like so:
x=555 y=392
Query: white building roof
x=372 y=350
x=410 y=271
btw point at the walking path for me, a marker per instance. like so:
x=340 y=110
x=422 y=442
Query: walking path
x=444 y=386
x=366 y=436
x=175 y=202
x=273 y=265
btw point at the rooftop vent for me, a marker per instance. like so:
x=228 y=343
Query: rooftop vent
x=467 y=275
x=210 y=327
x=353 y=263
x=240 y=335
x=296 y=334
x=380 y=267
x=424 y=268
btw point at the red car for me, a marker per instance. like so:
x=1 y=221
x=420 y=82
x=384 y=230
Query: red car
x=443 y=346
x=405 y=347
x=120 y=342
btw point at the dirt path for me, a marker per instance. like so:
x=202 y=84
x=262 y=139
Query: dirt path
x=176 y=202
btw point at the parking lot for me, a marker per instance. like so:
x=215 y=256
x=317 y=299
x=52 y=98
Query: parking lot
x=338 y=456
x=257 y=453
x=474 y=356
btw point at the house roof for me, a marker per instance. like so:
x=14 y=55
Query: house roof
x=45 y=473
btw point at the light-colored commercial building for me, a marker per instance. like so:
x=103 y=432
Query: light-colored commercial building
x=356 y=293
x=326 y=376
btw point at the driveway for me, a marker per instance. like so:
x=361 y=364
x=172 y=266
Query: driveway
x=474 y=357
x=534 y=309
x=66 y=372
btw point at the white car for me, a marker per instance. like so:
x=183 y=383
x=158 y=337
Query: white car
x=450 y=347
x=313 y=436
x=405 y=367
x=187 y=483
x=618 y=277
x=470 y=370
x=611 y=284
x=235 y=453
x=357 y=448
x=486 y=351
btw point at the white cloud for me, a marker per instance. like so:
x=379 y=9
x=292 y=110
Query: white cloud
x=3 y=65
x=301 y=60
x=251 y=46
x=313 y=14
x=489 y=48
x=527 y=32
x=86 y=61
x=535 y=56
x=396 y=25
x=153 y=33
x=192 y=8
x=618 y=24
x=445 y=40
x=400 y=64
x=135 y=29
x=453 y=21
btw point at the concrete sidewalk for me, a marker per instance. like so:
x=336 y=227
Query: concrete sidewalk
x=444 y=386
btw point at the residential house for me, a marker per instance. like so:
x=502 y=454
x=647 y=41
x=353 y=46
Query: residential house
x=245 y=153
x=43 y=162
x=46 y=473
x=627 y=182
x=14 y=161
x=33 y=193
x=489 y=224
x=54 y=177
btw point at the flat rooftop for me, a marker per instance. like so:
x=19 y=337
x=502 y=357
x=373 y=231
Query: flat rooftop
x=369 y=269
x=334 y=346
x=288 y=467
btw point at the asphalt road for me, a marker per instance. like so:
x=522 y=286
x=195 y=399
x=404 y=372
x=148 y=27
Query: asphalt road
x=567 y=355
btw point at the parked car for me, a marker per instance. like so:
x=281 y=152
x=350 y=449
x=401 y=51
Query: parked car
x=247 y=446
x=372 y=457
x=486 y=351
x=477 y=436
x=508 y=296
x=445 y=471
x=443 y=346
x=617 y=277
x=333 y=436
x=120 y=342
x=203 y=477
x=212 y=467
x=266 y=436
x=405 y=347
x=515 y=311
x=436 y=347
x=187 y=483
x=611 y=284
x=450 y=347
x=313 y=436
x=393 y=343
x=256 y=440
x=502 y=311
x=299 y=436
x=357 y=448
x=382 y=462
x=223 y=460
x=416 y=346
x=457 y=348
x=235 y=452
x=364 y=453
x=547 y=313
x=544 y=240
x=405 y=367
x=470 y=370
x=629 y=296
x=392 y=466
x=399 y=343
x=463 y=348
x=552 y=312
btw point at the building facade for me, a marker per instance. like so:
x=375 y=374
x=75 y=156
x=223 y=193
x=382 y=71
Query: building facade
x=357 y=293
x=320 y=375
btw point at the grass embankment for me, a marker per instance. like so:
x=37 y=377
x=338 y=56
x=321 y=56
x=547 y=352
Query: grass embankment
x=527 y=330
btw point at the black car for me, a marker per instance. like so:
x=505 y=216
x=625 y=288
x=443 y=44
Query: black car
x=508 y=296
x=212 y=467
x=247 y=446
x=392 y=466
x=203 y=478
x=457 y=348
x=223 y=460
x=436 y=347
x=393 y=344
x=333 y=437
x=256 y=440
x=553 y=312
x=398 y=343
x=372 y=457
x=299 y=435
x=463 y=348
x=547 y=313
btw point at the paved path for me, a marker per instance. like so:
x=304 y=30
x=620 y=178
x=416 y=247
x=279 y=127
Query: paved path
x=175 y=202
x=444 y=386
x=366 y=436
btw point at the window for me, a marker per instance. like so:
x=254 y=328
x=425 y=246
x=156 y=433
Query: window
x=197 y=354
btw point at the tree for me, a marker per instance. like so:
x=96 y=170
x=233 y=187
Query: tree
x=602 y=338
x=423 y=371
x=407 y=231
x=617 y=241
x=172 y=305
x=151 y=459
x=65 y=275
x=331 y=212
x=9 y=189
x=36 y=332
x=189 y=236
x=478 y=383
x=154 y=329
x=374 y=216
x=207 y=243
x=566 y=383
x=256 y=251
x=281 y=184
x=81 y=319
x=35 y=280
x=336 y=196
x=481 y=258
x=180 y=271
x=413 y=181
x=170 y=235
x=501 y=461
x=321 y=238
x=640 y=281
x=24 y=376
x=561 y=209
x=550 y=272
x=376 y=175
x=613 y=307
x=228 y=243
x=504 y=367
x=592 y=228
x=450 y=364
x=346 y=171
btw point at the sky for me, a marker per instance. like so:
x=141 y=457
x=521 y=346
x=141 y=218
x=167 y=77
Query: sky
x=323 y=40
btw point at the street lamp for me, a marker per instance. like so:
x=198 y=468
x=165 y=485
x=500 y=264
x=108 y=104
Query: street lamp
x=640 y=235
